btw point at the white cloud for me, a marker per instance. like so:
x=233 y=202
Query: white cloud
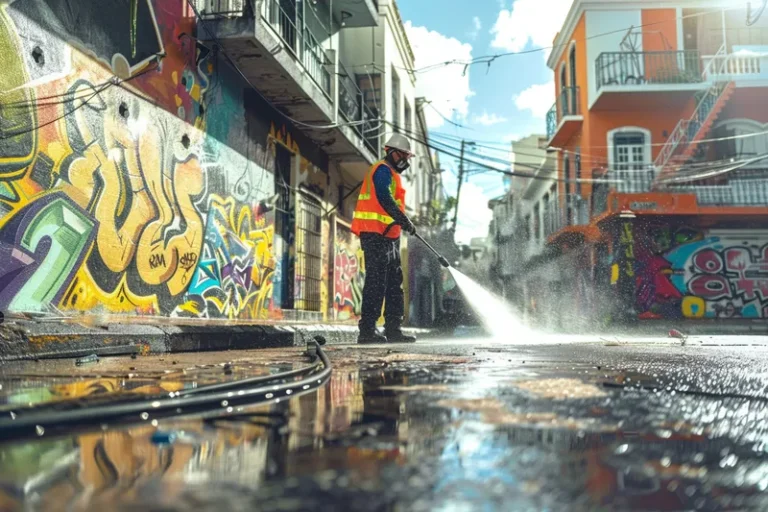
x=488 y=119
x=477 y=26
x=446 y=87
x=529 y=21
x=537 y=98
x=474 y=215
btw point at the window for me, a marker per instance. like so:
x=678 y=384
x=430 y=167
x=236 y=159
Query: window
x=736 y=144
x=546 y=214
x=577 y=172
x=395 y=101
x=572 y=65
x=631 y=159
x=407 y=128
x=537 y=222
x=370 y=85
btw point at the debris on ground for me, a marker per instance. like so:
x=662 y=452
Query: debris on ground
x=674 y=333
x=93 y=358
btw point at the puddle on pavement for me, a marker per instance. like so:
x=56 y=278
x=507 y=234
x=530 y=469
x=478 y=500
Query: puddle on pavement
x=402 y=434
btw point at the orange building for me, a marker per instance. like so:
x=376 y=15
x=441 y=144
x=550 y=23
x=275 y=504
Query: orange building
x=660 y=127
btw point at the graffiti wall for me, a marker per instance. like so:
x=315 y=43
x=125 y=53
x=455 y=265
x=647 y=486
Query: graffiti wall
x=348 y=274
x=135 y=168
x=685 y=272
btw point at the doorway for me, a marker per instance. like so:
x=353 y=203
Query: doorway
x=285 y=227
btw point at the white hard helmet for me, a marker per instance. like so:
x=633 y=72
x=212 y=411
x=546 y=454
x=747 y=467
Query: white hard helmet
x=400 y=142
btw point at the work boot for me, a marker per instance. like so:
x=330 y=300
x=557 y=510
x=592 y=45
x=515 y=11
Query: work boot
x=398 y=336
x=370 y=337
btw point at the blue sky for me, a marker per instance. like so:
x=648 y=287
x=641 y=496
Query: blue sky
x=497 y=104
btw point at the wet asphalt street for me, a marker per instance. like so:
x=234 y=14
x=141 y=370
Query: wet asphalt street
x=440 y=425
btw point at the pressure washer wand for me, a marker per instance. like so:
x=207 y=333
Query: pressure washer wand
x=440 y=257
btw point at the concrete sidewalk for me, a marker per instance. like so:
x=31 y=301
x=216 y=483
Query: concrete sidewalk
x=28 y=338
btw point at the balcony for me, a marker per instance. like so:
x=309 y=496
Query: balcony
x=564 y=118
x=572 y=225
x=739 y=192
x=356 y=13
x=741 y=68
x=280 y=50
x=352 y=108
x=624 y=80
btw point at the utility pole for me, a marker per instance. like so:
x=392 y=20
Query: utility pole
x=461 y=180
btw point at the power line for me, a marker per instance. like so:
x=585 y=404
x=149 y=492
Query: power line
x=751 y=21
x=90 y=96
x=490 y=59
x=692 y=170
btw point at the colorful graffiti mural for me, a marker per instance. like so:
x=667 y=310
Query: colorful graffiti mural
x=132 y=177
x=348 y=274
x=233 y=277
x=690 y=273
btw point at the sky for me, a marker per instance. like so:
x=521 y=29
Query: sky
x=494 y=104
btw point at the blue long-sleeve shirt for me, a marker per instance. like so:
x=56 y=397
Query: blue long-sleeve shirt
x=382 y=181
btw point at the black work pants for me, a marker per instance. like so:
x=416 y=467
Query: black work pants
x=383 y=280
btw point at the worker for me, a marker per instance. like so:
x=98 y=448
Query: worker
x=378 y=220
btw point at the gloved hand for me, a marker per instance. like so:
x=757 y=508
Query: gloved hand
x=408 y=227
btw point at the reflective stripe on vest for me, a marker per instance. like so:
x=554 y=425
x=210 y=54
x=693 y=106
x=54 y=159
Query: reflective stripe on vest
x=370 y=216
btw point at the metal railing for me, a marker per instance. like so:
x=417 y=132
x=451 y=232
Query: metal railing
x=748 y=192
x=638 y=68
x=353 y=109
x=631 y=178
x=567 y=104
x=687 y=128
x=729 y=67
x=350 y=96
x=220 y=8
x=301 y=42
x=371 y=129
x=552 y=122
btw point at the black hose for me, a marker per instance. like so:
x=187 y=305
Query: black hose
x=223 y=386
x=50 y=419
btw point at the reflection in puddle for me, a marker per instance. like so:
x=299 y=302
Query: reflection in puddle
x=388 y=439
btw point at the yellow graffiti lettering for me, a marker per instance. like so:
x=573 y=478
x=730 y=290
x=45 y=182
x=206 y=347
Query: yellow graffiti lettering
x=85 y=295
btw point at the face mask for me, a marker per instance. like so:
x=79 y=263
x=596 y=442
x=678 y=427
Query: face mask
x=400 y=165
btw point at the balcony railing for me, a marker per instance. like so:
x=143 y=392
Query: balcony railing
x=752 y=192
x=567 y=104
x=221 y=8
x=354 y=110
x=639 y=68
x=302 y=43
x=631 y=178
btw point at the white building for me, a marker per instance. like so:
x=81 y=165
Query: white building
x=527 y=214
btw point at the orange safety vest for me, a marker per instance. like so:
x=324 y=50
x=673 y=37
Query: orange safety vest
x=369 y=215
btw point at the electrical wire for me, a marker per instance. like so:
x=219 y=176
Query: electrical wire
x=691 y=169
x=599 y=163
x=751 y=21
x=110 y=83
x=489 y=59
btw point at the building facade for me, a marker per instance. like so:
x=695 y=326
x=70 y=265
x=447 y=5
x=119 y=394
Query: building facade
x=524 y=218
x=663 y=197
x=200 y=161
